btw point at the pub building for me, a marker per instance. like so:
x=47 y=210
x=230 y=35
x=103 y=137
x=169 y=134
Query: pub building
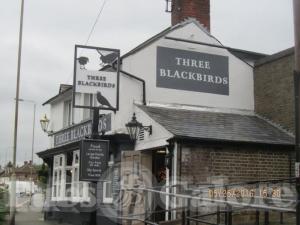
x=206 y=114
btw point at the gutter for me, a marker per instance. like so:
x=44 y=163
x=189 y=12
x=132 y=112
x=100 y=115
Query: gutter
x=139 y=79
x=180 y=139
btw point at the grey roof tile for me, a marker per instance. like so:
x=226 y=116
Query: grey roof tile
x=218 y=126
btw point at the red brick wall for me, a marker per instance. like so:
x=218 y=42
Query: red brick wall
x=201 y=164
x=199 y=9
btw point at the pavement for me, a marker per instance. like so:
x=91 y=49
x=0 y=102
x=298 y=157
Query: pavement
x=31 y=214
x=33 y=218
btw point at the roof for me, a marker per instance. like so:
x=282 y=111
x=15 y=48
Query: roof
x=63 y=88
x=276 y=56
x=26 y=168
x=242 y=54
x=215 y=126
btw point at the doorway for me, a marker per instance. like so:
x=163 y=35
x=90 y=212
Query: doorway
x=160 y=175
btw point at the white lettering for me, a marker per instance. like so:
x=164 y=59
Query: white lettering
x=162 y=72
x=225 y=80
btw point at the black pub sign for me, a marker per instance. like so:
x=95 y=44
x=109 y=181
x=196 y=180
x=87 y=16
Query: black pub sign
x=80 y=131
x=93 y=159
x=192 y=71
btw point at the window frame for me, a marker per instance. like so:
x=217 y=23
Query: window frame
x=107 y=200
x=67 y=113
x=108 y=181
x=59 y=180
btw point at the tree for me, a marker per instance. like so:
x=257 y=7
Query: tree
x=4 y=204
x=42 y=172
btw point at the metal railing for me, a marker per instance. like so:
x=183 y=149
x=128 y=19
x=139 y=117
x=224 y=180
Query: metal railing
x=226 y=208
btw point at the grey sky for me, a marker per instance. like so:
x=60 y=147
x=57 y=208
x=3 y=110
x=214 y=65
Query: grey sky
x=53 y=27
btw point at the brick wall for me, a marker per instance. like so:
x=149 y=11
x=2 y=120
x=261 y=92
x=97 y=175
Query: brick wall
x=274 y=89
x=199 y=9
x=203 y=163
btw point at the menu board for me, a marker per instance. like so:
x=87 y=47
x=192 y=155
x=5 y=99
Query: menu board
x=93 y=159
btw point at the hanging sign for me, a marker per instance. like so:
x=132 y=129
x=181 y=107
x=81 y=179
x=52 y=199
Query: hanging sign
x=93 y=159
x=192 y=71
x=96 y=75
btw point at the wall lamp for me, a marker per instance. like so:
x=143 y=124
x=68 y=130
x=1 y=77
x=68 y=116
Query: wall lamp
x=44 y=124
x=134 y=127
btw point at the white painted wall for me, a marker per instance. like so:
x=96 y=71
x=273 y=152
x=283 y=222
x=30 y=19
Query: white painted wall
x=143 y=64
x=131 y=90
x=56 y=116
x=57 y=113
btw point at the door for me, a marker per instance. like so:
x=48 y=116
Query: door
x=136 y=172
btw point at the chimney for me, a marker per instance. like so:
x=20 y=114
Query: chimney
x=198 y=9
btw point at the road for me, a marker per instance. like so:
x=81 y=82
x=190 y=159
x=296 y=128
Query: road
x=31 y=214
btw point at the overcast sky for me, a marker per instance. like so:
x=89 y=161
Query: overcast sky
x=53 y=27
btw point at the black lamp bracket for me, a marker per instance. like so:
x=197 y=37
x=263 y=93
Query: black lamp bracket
x=148 y=129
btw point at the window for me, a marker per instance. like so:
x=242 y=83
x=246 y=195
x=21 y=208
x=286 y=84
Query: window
x=79 y=188
x=67 y=113
x=107 y=185
x=66 y=184
x=57 y=177
x=107 y=192
x=88 y=101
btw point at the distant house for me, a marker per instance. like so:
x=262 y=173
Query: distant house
x=26 y=172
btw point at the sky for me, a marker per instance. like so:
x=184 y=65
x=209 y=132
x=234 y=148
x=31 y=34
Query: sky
x=53 y=27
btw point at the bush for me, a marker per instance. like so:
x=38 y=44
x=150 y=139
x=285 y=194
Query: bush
x=4 y=204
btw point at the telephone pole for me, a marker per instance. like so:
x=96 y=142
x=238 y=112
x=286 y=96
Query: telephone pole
x=13 y=176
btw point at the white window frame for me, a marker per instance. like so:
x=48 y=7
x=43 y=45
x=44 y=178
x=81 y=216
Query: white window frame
x=59 y=185
x=88 y=101
x=76 y=184
x=108 y=200
x=57 y=181
x=68 y=113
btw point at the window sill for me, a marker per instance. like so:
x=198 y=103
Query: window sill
x=107 y=201
x=74 y=199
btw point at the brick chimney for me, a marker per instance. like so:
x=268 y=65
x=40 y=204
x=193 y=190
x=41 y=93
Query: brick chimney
x=198 y=9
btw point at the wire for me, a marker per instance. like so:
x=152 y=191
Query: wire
x=95 y=23
x=90 y=33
